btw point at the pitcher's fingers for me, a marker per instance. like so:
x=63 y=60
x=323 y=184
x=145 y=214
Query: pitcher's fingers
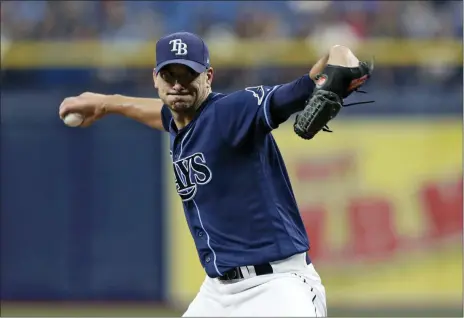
x=65 y=106
x=62 y=112
x=87 y=121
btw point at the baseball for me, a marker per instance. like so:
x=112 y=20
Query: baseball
x=73 y=119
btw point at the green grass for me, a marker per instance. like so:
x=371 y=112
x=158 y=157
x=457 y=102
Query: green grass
x=142 y=310
x=70 y=309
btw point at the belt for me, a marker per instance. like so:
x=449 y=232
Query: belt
x=251 y=271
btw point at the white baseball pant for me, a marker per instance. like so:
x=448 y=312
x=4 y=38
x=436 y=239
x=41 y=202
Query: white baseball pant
x=294 y=289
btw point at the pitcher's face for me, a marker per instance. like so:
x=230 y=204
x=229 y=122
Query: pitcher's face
x=181 y=88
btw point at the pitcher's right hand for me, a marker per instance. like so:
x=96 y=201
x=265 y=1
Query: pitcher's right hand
x=89 y=105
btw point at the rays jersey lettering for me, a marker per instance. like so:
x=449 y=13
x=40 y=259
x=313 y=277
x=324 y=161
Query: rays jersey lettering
x=189 y=173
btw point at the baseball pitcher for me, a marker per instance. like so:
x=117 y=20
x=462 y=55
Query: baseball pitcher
x=229 y=173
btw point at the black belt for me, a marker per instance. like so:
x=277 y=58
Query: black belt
x=263 y=269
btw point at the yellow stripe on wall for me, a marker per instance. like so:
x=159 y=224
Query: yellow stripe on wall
x=388 y=52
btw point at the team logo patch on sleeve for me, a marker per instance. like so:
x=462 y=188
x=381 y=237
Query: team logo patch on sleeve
x=258 y=92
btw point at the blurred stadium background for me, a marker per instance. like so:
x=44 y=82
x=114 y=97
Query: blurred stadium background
x=90 y=224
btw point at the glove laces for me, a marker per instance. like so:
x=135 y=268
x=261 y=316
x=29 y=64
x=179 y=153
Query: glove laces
x=359 y=103
x=326 y=127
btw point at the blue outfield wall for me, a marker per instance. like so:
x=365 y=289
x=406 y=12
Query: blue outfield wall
x=81 y=209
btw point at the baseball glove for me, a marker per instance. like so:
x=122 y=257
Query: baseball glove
x=333 y=85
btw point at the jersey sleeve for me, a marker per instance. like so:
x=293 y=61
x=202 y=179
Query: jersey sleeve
x=166 y=117
x=244 y=113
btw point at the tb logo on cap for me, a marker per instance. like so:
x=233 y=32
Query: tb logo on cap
x=179 y=47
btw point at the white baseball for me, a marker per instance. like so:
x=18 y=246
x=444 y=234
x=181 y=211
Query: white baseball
x=73 y=119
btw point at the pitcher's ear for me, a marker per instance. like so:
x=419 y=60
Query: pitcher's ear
x=210 y=75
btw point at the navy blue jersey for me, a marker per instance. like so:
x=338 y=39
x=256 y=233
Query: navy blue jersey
x=235 y=189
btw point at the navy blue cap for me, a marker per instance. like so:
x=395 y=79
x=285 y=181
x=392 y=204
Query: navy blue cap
x=182 y=48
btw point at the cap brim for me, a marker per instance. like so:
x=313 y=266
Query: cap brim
x=197 y=67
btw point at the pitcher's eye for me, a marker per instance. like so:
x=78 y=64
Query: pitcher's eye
x=165 y=75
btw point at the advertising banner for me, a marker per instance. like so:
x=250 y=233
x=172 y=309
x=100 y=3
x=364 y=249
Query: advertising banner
x=382 y=205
